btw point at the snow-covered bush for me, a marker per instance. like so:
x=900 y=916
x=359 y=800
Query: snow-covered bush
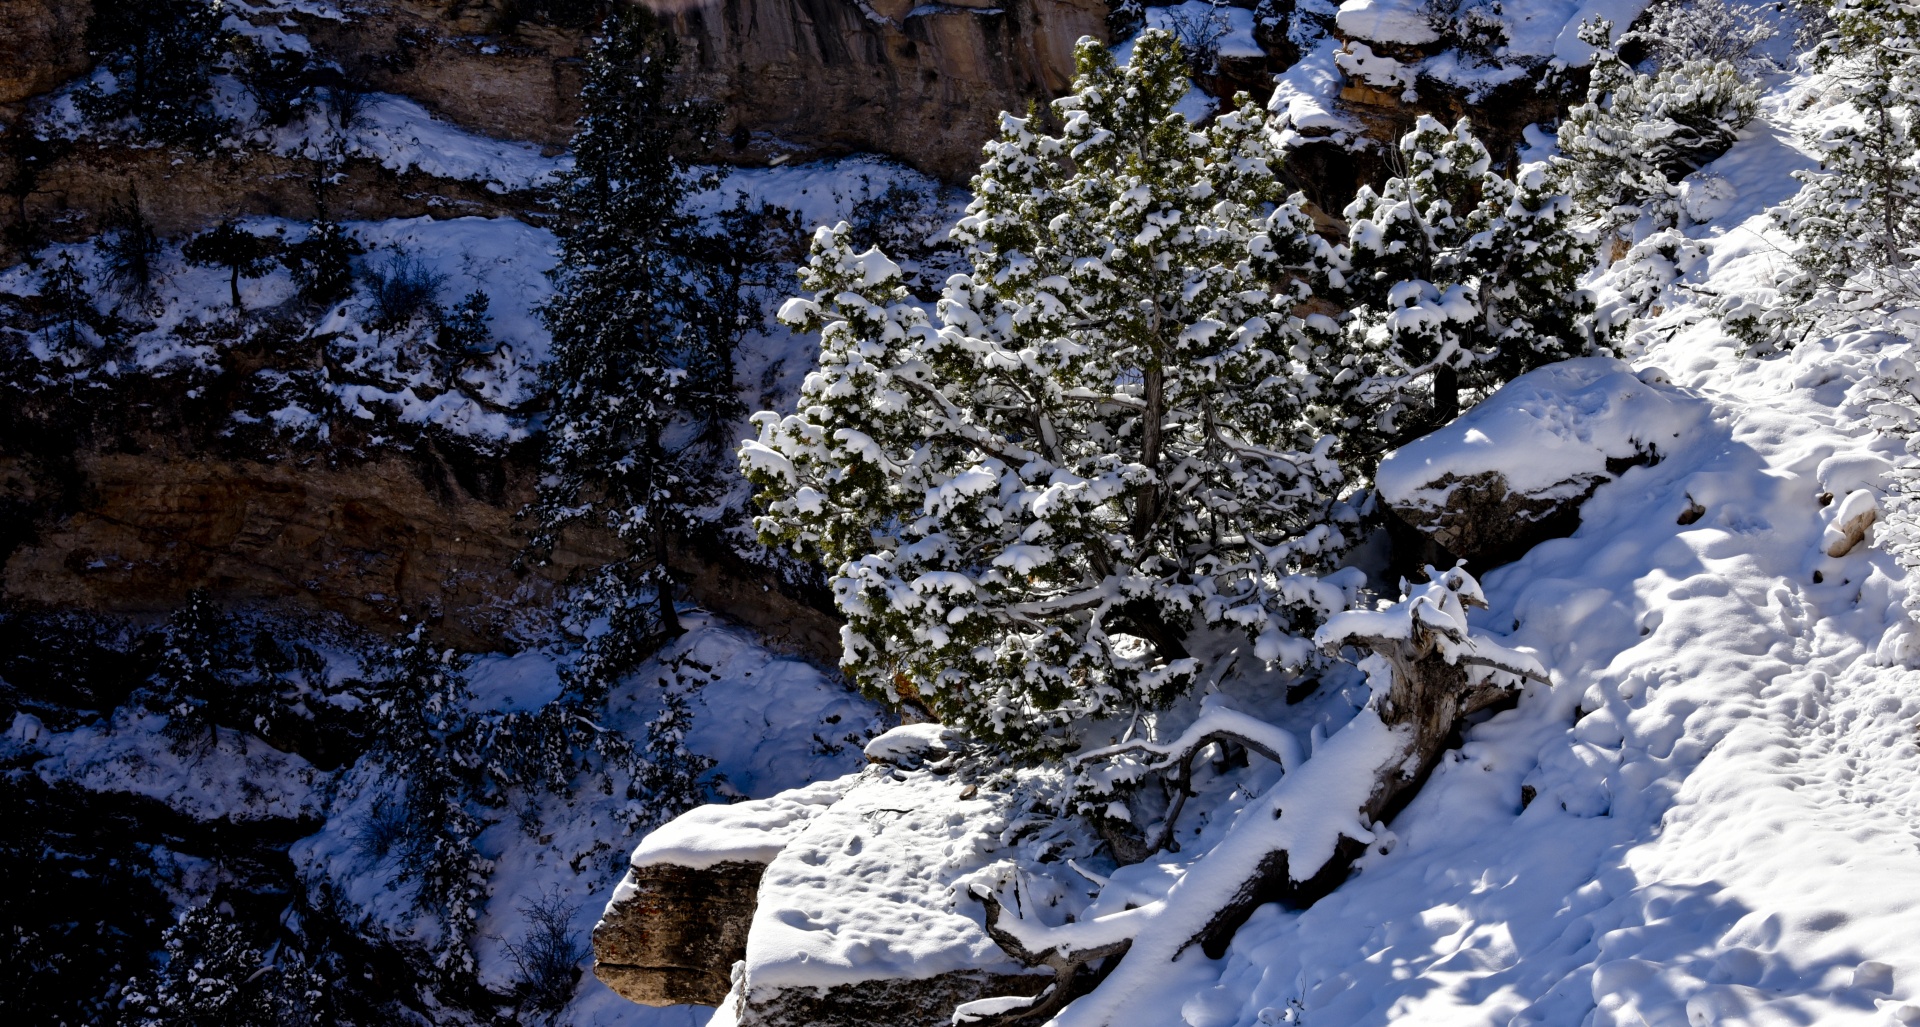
x=1098 y=450
x=1857 y=220
x=1458 y=280
x=1624 y=151
x=161 y=56
x=1722 y=31
x=215 y=973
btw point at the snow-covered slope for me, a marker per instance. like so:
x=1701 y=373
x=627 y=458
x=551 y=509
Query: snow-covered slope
x=1711 y=817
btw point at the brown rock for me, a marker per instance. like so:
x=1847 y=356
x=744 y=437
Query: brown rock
x=922 y=82
x=1486 y=524
x=674 y=938
x=370 y=541
x=182 y=193
x=42 y=44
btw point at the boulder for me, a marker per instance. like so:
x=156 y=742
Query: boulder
x=828 y=906
x=1514 y=471
x=678 y=921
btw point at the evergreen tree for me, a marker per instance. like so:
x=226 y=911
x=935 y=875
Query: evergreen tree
x=130 y=246
x=72 y=326
x=1857 y=219
x=463 y=336
x=322 y=263
x=1027 y=508
x=240 y=252
x=1458 y=280
x=425 y=739
x=215 y=974
x=1626 y=149
x=631 y=363
x=162 y=54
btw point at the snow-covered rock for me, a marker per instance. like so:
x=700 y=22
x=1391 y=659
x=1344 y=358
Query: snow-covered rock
x=1513 y=471
x=837 y=900
x=678 y=921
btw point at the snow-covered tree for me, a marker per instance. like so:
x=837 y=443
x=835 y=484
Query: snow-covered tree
x=216 y=973
x=1624 y=151
x=1029 y=507
x=71 y=332
x=233 y=249
x=322 y=262
x=1458 y=280
x=1857 y=219
x=631 y=368
x=162 y=55
x=1722 y=31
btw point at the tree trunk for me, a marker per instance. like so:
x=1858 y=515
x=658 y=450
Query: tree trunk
x=663 y=584
x=1429 y=697
x=233 y=285
x=1446 y=394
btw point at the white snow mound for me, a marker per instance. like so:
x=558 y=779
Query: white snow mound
x=1554 y=427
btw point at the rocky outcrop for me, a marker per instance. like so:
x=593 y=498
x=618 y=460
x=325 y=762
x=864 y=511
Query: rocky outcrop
x=852 y=918
x=473 y=63
x=1514 y=471
x=923 y=82
x=41 y=46
x=674 y=934
x=184 y=193
x=371 y=541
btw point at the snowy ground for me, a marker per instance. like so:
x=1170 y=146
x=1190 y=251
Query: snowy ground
x=1724 y=780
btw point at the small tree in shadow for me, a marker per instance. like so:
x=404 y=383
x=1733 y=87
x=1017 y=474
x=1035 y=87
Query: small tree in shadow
x=547 y=957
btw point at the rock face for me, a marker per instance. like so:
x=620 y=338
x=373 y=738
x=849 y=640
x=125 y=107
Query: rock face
x=674 y=935
x=182 y=193
x=370 y=541
x=923 y=82
x=43 y=46
x=1514 y=471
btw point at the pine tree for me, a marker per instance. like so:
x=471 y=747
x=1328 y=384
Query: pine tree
x=425 y=739
x=240 y=252
x=1028 y=508
x=630 y=359
x=216 y=974
x=72 y=327
x=322 y=262
x=463 y=336
x=1457 y=280
x=163 y=55
x=1857 y=219
x=130 y=246
x=1626 y=149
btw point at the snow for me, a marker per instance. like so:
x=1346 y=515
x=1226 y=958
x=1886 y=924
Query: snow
x=1387 y=21
x=1231 y=28
x=1304 y=96
x=1554 y=427
x=909 y=744
x=402 y=136
x=753 y=831
x=866 y=891
x=1723 y=779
